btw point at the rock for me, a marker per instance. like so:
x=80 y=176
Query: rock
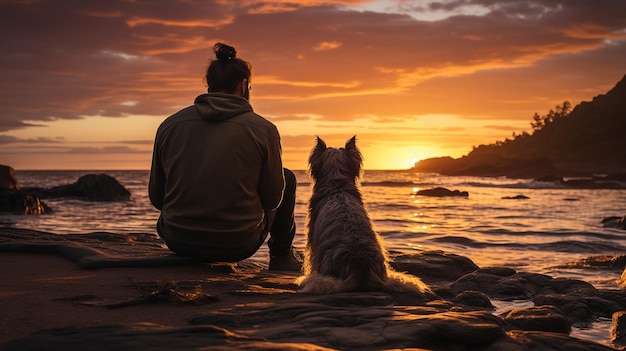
x=433 y=266
x=16 y=200
x=92 y=187
x=572 y=306
x=579 y=300
x=258 y=309
x=618 y=329
x=473 y=298
x=101 y=187
x=21 y=202
x=614 y=222
x=539 y=318
x=517 y=197
x=441 y=192
x=7 y=178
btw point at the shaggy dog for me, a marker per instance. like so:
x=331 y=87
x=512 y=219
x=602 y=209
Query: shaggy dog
x=343 y=252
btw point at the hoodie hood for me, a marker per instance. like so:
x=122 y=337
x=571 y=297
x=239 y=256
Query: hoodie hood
x=216 y=107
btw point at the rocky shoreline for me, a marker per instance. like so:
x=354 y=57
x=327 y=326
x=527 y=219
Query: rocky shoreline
x=129 y=292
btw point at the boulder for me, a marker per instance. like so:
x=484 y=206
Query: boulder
x=433 y=266
x=7 y=178
x=92 y=187
x=21 y=202
x=441 y=192
x=539 y=318
x=516 y=197
x=16 y=200
x=614 y=222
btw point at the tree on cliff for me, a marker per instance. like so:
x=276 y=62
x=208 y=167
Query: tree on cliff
x=562 y=111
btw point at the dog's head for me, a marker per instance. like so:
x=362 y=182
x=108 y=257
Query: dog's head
x=329 y=163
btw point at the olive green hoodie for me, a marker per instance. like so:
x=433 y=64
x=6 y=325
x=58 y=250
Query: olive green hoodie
x=216 y=170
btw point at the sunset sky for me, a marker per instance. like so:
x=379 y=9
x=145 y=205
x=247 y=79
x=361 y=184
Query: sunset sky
x=85 y=84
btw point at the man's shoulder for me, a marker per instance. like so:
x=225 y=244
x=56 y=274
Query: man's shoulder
x=252 y=117
x=185 y=114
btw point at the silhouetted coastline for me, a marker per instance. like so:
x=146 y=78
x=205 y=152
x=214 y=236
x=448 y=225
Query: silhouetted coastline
x=588 y=142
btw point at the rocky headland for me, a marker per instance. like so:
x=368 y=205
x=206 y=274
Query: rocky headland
x=587 y=143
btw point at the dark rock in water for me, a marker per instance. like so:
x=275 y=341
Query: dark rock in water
x=539 y=318
x=16 y=200
x=517 y=197
x=7 y=178
x=614 y=222
x=618 y=329
x=101 y=187
x=442 y=192
x=21 y=202
x=92 y=187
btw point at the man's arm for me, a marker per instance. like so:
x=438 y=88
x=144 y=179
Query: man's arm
x=156 y=185
x=271 y=179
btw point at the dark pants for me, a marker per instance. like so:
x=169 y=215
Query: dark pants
x=280 y=224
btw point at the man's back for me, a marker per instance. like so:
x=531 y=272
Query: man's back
x=222 y=167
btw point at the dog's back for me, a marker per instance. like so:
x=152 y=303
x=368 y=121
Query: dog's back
x=343 y=251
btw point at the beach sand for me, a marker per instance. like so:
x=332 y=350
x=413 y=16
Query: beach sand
x=122 y=292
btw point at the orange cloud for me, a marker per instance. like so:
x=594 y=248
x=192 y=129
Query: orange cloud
x=327 y=45
x=197 y=23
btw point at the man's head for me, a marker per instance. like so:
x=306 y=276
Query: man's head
x=227 y=73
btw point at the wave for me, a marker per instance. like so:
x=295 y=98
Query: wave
x=570 y=246
x=518 y=185
x=393 y=184
x=618 y=235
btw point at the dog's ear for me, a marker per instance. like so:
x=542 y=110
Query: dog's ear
x=321 y=144
x=315 y=157
x=355 y=157
x=351 y=143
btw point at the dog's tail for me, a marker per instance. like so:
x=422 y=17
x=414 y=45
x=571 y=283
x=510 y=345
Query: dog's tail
x=368 y=270
x=319 y=284
x=402 y=282
x=364 y=269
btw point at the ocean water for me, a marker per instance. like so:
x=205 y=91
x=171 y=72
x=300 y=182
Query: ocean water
x=552 y=227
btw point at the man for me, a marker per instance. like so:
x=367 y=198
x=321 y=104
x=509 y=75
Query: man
x=217 y=175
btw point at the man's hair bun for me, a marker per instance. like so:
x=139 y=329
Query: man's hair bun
x=224 y=52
